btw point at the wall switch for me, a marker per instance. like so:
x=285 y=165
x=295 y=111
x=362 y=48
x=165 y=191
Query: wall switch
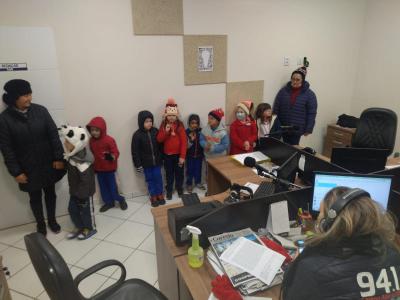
x=286 y=61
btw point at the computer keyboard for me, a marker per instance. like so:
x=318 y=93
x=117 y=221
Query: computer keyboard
x=190 y=199
x=266 y=188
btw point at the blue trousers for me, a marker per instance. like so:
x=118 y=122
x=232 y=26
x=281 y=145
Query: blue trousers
x=108 y=187
x=173 y=172
x=79 y=210
x=154 y=180
x=193 y=170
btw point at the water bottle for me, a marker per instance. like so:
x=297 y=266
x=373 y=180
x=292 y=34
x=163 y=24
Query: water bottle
x=300 y=245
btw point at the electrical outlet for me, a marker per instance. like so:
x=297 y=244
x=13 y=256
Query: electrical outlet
x=286 y=61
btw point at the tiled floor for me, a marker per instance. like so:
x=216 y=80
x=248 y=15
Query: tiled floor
x=127 y=236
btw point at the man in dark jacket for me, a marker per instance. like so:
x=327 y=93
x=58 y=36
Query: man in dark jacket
x=32 y=150
x=146 y=156
x=296 y=106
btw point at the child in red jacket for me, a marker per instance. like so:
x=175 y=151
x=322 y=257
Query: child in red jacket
x=243 y=131
x=173 y=136
x=106 y=154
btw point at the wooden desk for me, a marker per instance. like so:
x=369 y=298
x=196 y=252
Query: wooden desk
x=4 y=291
x=198 y=281
x=223 y=171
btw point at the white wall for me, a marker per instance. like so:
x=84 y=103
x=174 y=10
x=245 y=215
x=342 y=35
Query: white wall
x=106 y=70
x=378 y=76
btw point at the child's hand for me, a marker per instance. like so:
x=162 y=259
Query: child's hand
x=181 y=162
x=108 y=156
x=246 y=145
x=58 y=165
x=139 y=169
x=168 y=127
x=192 y=136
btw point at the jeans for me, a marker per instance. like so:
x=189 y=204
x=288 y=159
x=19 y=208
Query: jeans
x=154 y=180
x=108 y=187
x=80 y=212
x=193 y=170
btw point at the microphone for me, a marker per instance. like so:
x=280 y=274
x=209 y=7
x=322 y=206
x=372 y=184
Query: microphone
x=251 y=163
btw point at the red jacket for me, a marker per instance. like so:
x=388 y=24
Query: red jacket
x=173 y=144
x=241 y=132
x=104 y=144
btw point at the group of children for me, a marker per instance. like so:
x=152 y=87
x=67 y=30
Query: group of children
x=176 y=147
x=171 y=145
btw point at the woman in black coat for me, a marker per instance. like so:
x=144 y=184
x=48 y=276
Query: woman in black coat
x=32 y=150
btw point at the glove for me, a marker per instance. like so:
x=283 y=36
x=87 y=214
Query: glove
x=223 y=289
x=139 y=169
x=108 y=156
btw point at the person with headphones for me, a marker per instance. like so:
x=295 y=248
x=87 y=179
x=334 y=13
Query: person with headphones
x=353 y=254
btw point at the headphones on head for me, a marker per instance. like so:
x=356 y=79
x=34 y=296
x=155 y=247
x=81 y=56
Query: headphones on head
x=339 y=205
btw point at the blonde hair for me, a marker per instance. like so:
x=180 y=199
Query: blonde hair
x=361 y=217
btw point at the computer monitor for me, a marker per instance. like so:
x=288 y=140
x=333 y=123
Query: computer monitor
x=278 y=151
x=288 y=169
x=377 y=186
x=360 y=160
x=395 y=172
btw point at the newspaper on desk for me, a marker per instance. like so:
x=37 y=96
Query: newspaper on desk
x=242 y=280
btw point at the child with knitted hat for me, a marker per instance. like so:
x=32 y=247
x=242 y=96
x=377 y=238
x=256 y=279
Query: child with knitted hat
x=214 y=138
x=243 y=131
x=173 y=137
x=81 y=180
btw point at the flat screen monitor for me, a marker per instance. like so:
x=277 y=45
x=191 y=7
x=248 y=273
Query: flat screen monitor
x=395 y=172
x=278 y=151
x=288 y=169
x=377 y=186
x=360 y=160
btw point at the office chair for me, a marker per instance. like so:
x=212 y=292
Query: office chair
x=59 y=284
x=376 y=129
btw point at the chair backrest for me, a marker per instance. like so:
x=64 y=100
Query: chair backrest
x=376 y=129
x=51 y=268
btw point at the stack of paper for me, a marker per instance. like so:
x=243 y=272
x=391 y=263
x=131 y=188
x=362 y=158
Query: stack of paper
x=256 y=259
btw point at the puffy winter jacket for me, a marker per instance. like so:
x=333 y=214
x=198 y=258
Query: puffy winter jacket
x=104 y=144
x=330 y=273
x=241 y=132
x=145 y=149
x=30 y=144
x=302 y=114
x=174 y=141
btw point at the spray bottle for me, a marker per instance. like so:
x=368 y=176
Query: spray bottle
x=195 y=252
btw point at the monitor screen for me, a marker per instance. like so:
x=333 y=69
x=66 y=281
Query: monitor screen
x=377 y=186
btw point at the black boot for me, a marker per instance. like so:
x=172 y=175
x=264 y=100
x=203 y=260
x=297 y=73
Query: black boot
x=54 y=226
x=41 y=228
x=37 y=210
x=50 y=199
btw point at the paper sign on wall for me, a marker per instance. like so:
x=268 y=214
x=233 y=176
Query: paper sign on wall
x=7 y=67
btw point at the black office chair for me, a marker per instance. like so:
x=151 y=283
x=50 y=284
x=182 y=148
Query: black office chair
x=376 y=129
x=59 y=284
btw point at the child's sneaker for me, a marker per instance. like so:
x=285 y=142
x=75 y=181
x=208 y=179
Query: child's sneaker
x=180 y=193
x=154 y=202
x=160 y=199
x=86 y=233
x=106 y=207
x=201 y=186
x=123 y=205
x=74 y=234
x=189 y=189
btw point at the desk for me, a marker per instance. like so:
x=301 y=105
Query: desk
x=4 y=291
x=222 y=171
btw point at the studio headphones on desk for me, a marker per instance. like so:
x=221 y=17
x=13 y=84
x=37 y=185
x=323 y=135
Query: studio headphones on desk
x=235 y=194
x=339 y=205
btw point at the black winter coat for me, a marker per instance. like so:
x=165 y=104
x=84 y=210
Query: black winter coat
x=30 y=144
x=145 y=148
x=81 y=184
x=329 y=275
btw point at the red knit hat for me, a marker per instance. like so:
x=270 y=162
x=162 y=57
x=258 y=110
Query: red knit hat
x=246 y=105
x=171 y=108
x=217 y=113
